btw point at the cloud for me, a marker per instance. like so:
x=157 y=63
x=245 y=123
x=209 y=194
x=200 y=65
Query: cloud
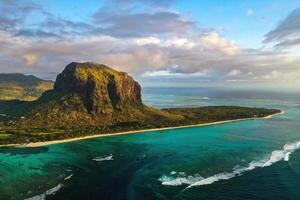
x=147 y=41
x=36 y=33
x=169 y=73
x=30 y=58
x=287 y=32
x=213 y=40
x=279 y=76
x=132 y=3
x=206 y=56
x=138 y=18
x=145 y=38
x=116 y=18
x=250 y=12
x=288 y=43
x=130 y=25
x=234 y=72
x=15 y=13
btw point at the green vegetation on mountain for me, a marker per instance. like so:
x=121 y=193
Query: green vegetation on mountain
x=89 y=98
x=22 y=87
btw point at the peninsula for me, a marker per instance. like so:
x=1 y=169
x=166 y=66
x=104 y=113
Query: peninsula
x=91 y=100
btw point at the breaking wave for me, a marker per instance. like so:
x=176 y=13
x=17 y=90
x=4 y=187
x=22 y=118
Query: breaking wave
x=68 y=177
x=103 y=158
x=180 y=179
x=176 y=179
x=51 y=191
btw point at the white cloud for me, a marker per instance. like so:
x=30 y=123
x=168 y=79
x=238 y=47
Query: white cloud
x=184 y=43
x=290 y=76
x=234 y=72
x=168 y=73
x=213 y=40
x=152 y=56
x=147 y=40
x=30 y=58
x=142 y=42
x=148 y=55
x=250 y=12
x=178 y=42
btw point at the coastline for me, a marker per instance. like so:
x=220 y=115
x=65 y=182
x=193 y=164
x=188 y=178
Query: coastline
x=39 y=144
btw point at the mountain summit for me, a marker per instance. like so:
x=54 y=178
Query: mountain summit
x=92 y=94
x=102 y=88
x=90 y=98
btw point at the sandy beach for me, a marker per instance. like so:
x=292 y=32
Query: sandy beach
x=39 y=144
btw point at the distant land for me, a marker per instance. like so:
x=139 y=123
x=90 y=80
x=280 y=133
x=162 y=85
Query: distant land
x=22 y=87
x=94 y=99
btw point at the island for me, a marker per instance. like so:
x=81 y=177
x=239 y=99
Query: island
x=92 y=100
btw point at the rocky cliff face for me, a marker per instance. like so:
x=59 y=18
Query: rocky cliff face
x=102 y=88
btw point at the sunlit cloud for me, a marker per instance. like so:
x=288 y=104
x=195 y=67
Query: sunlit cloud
x=153 y=41
x=234 y=72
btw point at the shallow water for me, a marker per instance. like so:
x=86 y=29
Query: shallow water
x=239 y=160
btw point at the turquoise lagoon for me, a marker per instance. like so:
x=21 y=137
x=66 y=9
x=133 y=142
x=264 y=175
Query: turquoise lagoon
x=253 y=159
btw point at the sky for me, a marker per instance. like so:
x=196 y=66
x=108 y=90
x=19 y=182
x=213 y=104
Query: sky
x=162 y=43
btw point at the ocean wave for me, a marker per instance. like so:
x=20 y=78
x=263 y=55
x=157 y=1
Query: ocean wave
x=42 y=196
x=197 y=180
x=103 y=158
x=68 y=177
x=179 y=178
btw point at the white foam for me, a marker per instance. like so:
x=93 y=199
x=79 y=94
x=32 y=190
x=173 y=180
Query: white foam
x=180 y=179
x=103 y=158
x=192 y=181
x=173 y=172
x=287 y=156
x=214 y=178
x=51 y=191
x=68 y=177
x=37 y=197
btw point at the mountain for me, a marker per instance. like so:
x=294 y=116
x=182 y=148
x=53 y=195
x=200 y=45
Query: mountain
x=89 y=94
x=22 y=87
x=89 y=98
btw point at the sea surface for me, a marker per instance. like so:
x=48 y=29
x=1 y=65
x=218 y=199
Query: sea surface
x=246 y=160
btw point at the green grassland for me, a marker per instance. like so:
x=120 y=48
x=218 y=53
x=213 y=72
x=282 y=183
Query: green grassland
x=12 y=131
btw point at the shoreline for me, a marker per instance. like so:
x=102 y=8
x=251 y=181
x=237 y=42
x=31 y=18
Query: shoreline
x=46 y=143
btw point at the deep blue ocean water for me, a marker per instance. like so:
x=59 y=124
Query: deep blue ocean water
x=253 y=159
